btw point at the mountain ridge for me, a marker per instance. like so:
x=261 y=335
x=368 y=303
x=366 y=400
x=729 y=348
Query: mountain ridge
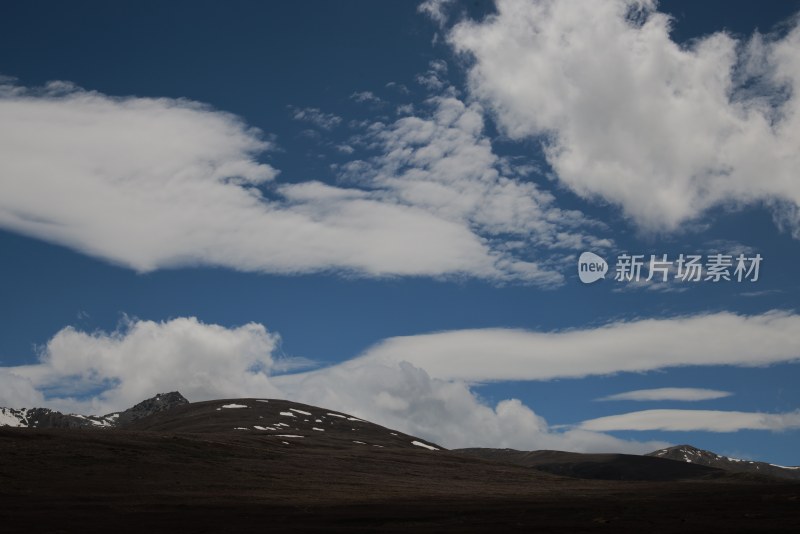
x=292 y=421
x=693 y=455
x=248 y=464
x=47 y=418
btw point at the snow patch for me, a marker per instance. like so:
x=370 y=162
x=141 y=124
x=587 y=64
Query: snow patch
x=424 y=445
x=7 y=418
x=300 y=411
x=234 y=406
x=287 y=414
x=784 y=466
x=318 y=429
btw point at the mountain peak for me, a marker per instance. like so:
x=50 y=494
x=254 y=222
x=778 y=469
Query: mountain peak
x=158 y=403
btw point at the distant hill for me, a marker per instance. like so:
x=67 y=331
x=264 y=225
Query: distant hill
x=597 y=466
x=692 y=455
x=249 y=465
x=46 y=418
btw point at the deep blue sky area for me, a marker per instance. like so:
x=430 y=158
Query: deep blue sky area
x=262 y=60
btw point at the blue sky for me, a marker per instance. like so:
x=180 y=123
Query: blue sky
x=378 y=206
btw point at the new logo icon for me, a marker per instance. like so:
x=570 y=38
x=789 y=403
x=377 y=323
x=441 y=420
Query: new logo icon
x=591 y=267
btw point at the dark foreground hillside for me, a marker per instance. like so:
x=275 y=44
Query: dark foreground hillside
x=188 y=470
x=124 y=481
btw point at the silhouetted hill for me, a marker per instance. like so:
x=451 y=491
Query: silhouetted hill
x=255 y=465
x=687 y=454
x=279 y=420
x=597 y=466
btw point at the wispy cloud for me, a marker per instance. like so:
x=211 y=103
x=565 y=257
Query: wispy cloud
x=366 y=97
x=627 y=346
x=762 y=293
x=436 y=10
x=668 y=394
x=326 y=121
x=695 y=420
x=440 y=160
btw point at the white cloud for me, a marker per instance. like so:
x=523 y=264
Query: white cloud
x=16 y=390
x=436 y=10
x=664 y=130
x=668 y=394
x=695 y=420
x=151 y=183
x=102 y=372
x=366 y=96
x=345 y=149
x=326 y=121
x=444 y=164
x=634 y=346
x=145 y=357
x=425 y=393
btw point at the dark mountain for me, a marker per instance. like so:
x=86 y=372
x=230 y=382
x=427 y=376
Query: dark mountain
x=250 y=465
x=279 y=420
x=46 y=418
x=689 y=455
x=159 y=403
x=597 y=466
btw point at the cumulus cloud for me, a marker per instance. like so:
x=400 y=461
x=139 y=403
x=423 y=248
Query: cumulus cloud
x=150 y=183
x=665 y=130
x=100 y=372
x=628 y=346
x=689 y=420
x=668 y=394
